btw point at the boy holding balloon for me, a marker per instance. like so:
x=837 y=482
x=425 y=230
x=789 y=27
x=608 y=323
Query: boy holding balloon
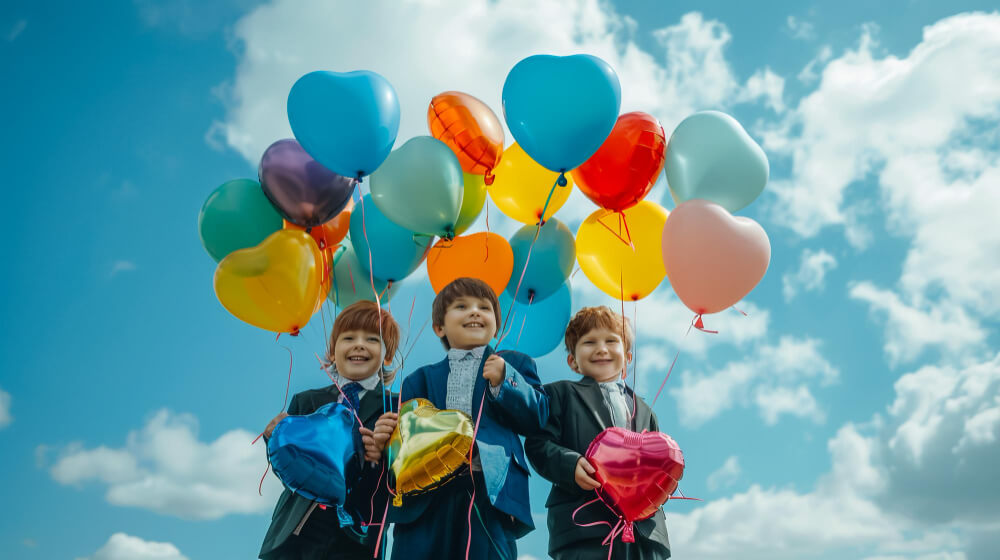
x=599 y=345
x=363 y=342
x=485 y=509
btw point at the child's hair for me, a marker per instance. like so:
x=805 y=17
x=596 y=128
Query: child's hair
x=471 y=287
x=365 y=316
x=590 y=318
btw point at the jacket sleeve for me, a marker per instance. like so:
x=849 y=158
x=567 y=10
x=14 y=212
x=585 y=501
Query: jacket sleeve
x=521 y=403
x=555 y=463
x=414 y=386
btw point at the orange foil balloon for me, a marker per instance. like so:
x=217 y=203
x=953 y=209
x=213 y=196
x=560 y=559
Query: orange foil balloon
x=332 y=232
x=428 y=446
x=275 y=285
x=626 y=166
x=484 y=255
x=470 y=128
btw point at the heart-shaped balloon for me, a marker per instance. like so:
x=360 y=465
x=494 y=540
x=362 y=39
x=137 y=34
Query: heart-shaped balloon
x=428 y=446
x=310 y=453
x=484 y=255
x=303 y=191
x=470 y=128
x=638 y=472
x=711 y=156
x=553 y=252
x=713 y=259
x=420 y=187
x=351 y=281
x=347 y=121
x=561 y=108
x=394 y=251
x=538 y=328
x=274 y=285
x=235 y=216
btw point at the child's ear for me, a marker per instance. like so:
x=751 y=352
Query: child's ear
x=438 y=330
x=571 y=362
x=628 y=357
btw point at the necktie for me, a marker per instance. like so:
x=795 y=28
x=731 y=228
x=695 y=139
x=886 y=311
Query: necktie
x=351 y=391
x=616 y=401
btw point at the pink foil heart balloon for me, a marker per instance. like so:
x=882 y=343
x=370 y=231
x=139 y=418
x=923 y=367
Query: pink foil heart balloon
x=713 y=259
x=637 y=472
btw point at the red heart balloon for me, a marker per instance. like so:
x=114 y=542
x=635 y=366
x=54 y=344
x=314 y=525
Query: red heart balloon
x=637 y=472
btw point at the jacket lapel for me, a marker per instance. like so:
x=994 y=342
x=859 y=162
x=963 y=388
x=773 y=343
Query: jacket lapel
x=480 y=387
x=371 y=405
x=642 y=412
x=590 y=393
x=437 y=382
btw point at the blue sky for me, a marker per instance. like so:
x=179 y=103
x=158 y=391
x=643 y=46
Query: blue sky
x=854 y=414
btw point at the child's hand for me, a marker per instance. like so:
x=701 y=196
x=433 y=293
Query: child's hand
x=384 y=427
x=583 y=471
x=373 y=452
x=274 y=422
x=494 y=370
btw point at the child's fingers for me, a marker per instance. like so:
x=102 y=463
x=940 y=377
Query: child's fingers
x=365 y=431
x=587 y=466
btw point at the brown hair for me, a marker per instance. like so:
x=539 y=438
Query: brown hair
x=590 y=318
x=471 y=287
x=366 y=316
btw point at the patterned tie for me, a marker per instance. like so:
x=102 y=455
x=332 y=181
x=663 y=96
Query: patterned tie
x=619 y=407
x=351 y=391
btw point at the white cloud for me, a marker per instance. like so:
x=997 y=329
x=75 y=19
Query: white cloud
x=165 y=468
x=810 y=275
x=773 y=379
x=120 y=266
x=726 y=475
x=765 y=84
x=800 y=29
x=5 y=416
x=808 y=73
x=126 y=547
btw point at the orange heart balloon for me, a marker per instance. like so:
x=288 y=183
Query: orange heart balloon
x=470 y=128
x=275 y=285
x=332 y=232
x=484 y=255
x=428 y=446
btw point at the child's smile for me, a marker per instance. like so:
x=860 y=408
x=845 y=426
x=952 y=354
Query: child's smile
x=469 y=322
x=357 y=353
x=600 y=355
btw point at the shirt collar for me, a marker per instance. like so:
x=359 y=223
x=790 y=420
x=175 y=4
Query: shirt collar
x=607 y=385
x=459 y=353
x=368 y=384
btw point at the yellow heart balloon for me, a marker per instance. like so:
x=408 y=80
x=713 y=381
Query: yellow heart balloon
x=522 y=185
x=428 y=446
x=276 y=285
x=621 y=252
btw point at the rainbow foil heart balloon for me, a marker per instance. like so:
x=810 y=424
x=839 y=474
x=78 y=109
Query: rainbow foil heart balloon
x=428 y=447
x=638 y=472
x=309 y=453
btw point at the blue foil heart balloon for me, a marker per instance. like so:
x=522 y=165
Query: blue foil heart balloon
x=346 y=121
x=560 y=109
x=310 y=453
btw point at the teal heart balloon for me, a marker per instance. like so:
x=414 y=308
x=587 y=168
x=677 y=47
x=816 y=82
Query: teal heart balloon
x=420 y=187
x=346 y=121
x=537 y=328
x=710 y=156
x=561 y=108
x=393 y=250
x=237 y=215
x=552 y=256
x=351 y=281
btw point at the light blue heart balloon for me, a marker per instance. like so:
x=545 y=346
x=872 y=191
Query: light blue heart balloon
x=346 y=121
x=537 y=329
x=710 y=156
x=560 y=109
x=552 y=258
x=394 y=252
x=351 y=282
x=420 y=187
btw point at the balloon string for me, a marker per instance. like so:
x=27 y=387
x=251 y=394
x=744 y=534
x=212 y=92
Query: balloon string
x=560 y=181
x=260 y=487
x=531 y=298
x=381 y=528
x=472 y=500
x=487 y=241
x=288 y=384
x=660 y=390
x=635 y=357
x=614 y=233
x=744 y=313
x=615 y=529
x=623 y=220
x=325 y=368
x=701 y=326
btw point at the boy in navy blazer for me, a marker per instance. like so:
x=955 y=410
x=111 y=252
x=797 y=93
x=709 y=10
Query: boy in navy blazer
x=465 y=315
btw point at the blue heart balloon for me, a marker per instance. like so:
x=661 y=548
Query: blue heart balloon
x=351 y=282
x=310 y=453
x=552 y=258
x=537 y=329
x=346 y=121
x=560 y=109
x=394 y=251
x=710 y=156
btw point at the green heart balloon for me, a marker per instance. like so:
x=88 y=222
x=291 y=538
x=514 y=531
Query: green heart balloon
x=237 y=215
x=473 y=200
x=351 y=282
x=710 y=156
x=419 y=186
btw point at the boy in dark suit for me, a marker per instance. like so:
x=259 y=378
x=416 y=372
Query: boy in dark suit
x=362 y=344
x=599 y=343
x=465 y=315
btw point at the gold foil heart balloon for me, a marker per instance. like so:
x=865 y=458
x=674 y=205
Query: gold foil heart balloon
x=275 y=285
x=428 y=446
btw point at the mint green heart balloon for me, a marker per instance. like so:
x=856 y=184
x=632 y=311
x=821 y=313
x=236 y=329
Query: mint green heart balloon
x=235 y=216
x=473 y=199
x=710 y=156
x=419 y=187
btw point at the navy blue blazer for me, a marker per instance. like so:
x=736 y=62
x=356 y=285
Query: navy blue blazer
x=521 y=407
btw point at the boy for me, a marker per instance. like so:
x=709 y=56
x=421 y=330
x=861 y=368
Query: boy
x=363 y=342
x=465 y=315
x=599 y=343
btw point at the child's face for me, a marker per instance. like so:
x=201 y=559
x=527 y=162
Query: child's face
x=468 y=322
x=357 y=354
x=600 y=354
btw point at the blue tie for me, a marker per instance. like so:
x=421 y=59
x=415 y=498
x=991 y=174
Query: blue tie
x=351 y=391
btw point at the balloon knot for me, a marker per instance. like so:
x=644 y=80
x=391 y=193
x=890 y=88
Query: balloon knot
x=294 y=331
x=489 y=177
x=561 y=181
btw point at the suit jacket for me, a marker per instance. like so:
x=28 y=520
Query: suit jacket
x=292 y=508
x=521 y=407
x=578 y=414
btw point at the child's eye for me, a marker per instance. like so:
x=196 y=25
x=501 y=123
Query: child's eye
x=374 y=339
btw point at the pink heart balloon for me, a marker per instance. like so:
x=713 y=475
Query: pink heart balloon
x=713 y=259
x=637 y=472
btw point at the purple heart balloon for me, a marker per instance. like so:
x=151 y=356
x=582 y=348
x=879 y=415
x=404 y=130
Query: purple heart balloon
x=300 y=188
